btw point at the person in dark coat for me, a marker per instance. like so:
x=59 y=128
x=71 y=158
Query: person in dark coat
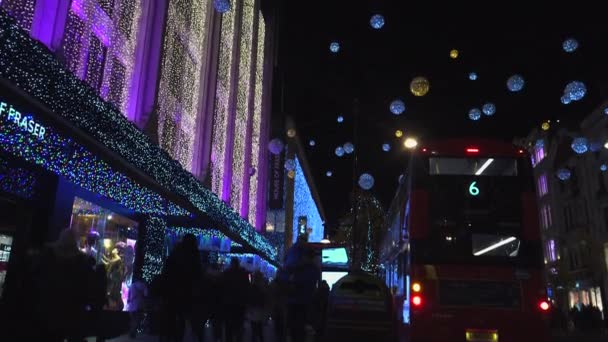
x=303 y=281
x=236 y=288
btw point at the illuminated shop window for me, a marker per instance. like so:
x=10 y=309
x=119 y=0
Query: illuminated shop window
x=110 y=239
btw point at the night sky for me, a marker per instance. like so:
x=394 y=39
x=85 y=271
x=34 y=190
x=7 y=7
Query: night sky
x=376 y=66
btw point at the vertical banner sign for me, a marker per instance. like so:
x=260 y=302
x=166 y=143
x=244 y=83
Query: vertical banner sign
x=276 y=183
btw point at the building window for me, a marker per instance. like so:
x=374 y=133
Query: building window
x=550 y=251
x=545 y=216
x=539 y=154
x=541 y=185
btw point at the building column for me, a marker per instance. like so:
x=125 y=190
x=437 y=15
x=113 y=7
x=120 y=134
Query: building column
x=149 y=259
x=49 y=22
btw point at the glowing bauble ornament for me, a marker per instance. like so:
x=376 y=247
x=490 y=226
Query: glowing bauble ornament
x=340 y=119
x=475 y=114
x=545 y=126
x=290 y=165
x=222 y=6
x=565 y=99
x=397 y=107
x=291 y=132
x=334 y=47
x=312 y=143
x=580 y=145
x=575 y=90
x=570 y=45
x=328 y=173
x=419 y=86
x=275 y=146
x=453 y=53
x=563 y=174
x=377 y=21
x=603 y=167
x=472 y=76
x=488 y=109
x=349 y=147
x=398 y=133
x=366 y=181
x=386 y=147
x=291 y=174
x=339 y=151
x=515 y=83
x=606 y=110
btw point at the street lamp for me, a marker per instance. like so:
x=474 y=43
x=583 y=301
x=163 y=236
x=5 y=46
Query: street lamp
x=410 y=143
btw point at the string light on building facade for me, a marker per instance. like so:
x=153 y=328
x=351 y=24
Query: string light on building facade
x=334 y=47
x=474 y=114
x=488 y=109
x=397 y=107
x=222 y=102
x=570 y=45
x=304 y=205
x=377 y=21
x=580 y=145
x=515 y=83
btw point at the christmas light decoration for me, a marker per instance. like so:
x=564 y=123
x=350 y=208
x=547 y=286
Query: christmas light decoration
x=580 y=145
x=290 y=165
x=606 y=110
x=386 y=147
x=291 y=174
x=304 y=205
x=153 y=246
x=377 y=21
x=334 y=47
x=366 y=181
x=515 y=83
x=222 y=6
x=312 y=142
x=575 y=90
x=178 y=92
x=570 y=45
x=349 y=148
x=243 y=110
x=275 y=146
x=603 y=167
x=545 y=126
x=563 y=174
x=419 y=86
x=397 y=107
x=257 y=115
x=17 y=181
x=398 y=133
x=473 y=76
x=29 y=65
x=21 y=10
x=207 y=238
x=453 y=54
x=291 y=133
x=565 y=99
x=329 y=173
x=474 y=114
x=339 y=151
x=340 y=119
x=488 y=109
x=222 y=102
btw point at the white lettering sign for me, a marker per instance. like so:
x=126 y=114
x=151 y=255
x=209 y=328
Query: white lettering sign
x=24 y=122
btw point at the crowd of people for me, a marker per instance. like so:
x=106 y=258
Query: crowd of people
x=191 y=293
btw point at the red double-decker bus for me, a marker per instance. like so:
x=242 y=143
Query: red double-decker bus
x=462 y=251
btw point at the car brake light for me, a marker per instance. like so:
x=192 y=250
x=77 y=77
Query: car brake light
x=417 y=300
x=543 y=305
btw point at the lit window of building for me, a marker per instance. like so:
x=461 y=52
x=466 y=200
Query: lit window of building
x=550 y=251
x=538 y=155
x=541 y=185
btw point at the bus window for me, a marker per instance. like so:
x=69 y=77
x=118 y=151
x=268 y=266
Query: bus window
x=473 y=166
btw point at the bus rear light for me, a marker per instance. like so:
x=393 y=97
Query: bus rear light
x=417 y=301
x=543 y=305
x=472 y=150
x=416 y=287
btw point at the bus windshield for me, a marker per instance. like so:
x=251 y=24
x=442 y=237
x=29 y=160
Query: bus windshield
x=475 y=211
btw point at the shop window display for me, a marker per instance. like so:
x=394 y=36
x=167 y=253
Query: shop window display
x=110 y=239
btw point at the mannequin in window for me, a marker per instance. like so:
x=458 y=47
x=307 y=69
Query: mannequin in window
x=90 y=244
x=116 y=271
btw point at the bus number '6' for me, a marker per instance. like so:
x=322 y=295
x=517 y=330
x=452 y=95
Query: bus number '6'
x=473 y=190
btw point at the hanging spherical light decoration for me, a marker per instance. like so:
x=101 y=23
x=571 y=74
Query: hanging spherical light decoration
x=565 y=99
x=474 y=114
x=488 y=109
x=606 y=110
x=291 y=132
x=570 y=45
x=312 y=142
x=340 y=119
x=290 y=165
x=580 y=145
x=453 y=54
x=377 y=21
x=473 y=76
x=398 y=133
x=328 y=173
x=386 y=147
x=603 y=167
x=339 y=151
x=563 y=174
x=291 y=174
x=366 y=181
x=575 y=90
x=349 y=147
x=397 y=107
x=515 y=83
x=222 y=6
x=419 y=86
x=275 y=146
x=545 y=126
x=334 y=47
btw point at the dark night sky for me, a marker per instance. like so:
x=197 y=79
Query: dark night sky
x=377 y=66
